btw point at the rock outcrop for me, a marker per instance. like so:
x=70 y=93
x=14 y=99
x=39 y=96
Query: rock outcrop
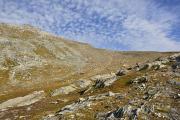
x=23 y=101
x=77 y=85
x=82 y=103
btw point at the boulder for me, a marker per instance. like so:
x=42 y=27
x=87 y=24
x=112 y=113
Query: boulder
x=176 y=96
x=121 y=72
x=176 y=69
x=175 y=57
x=133 y=114
x=117 y=113
x=104 y=80
x=99 y=84
x=176 y=66
x=150 y=93
x=178 y=58
x=136 y=67
x=125 y=112
x=139 y=80
x=143 y=67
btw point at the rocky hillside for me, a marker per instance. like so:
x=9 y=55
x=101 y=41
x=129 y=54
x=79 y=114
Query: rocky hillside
x=43 y=76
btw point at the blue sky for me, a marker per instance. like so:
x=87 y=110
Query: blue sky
x=113 y=24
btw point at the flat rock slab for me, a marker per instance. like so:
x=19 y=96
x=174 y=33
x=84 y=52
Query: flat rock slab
x=82 y=83
x=76 y=85
x=64 y=90
x=23 y=101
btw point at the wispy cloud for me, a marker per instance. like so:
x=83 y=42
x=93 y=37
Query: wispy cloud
x=113 y=24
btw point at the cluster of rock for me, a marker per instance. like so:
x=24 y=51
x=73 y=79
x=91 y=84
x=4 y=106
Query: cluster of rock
x=82 y=103
x=148 y=98
x=122 y=112
x=158 y=63
x=98 y=81
x=101 y=81
x=155 y=101
x=151 y=99
x=153 y=65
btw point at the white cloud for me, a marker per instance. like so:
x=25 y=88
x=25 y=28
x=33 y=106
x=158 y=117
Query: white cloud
x=113 y=24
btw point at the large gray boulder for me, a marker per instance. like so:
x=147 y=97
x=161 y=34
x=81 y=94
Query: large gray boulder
x=104 y=80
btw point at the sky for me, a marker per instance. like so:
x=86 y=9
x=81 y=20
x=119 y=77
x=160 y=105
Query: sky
x=134 y=25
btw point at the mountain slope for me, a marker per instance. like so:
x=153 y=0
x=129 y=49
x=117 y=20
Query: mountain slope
x=32 y=60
